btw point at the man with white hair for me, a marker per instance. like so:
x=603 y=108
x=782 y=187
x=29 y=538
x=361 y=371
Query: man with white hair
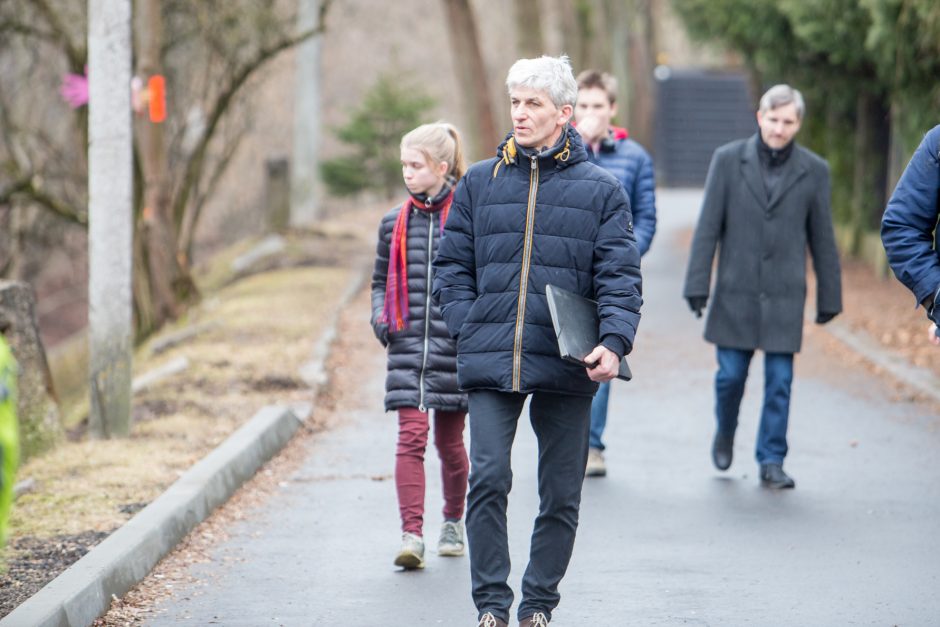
x=766 y=200
x=538 y=213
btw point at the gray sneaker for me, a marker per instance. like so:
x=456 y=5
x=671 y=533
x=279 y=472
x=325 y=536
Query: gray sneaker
x=451 y=543
x=411 y=554
x=595 y=464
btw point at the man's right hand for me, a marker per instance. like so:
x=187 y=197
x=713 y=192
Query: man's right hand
x=697 y=304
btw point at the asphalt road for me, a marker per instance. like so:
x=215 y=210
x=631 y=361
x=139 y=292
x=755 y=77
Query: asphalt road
x=664 y=539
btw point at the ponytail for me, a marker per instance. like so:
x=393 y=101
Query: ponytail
x=458 y=166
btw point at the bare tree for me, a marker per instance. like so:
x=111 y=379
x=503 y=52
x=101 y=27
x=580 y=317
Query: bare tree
x=481 y=131
x=162 y=279
x=529 y=28
x=642 y=61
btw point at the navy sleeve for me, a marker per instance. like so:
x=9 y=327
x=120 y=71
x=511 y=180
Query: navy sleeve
x=910 y=221
x=455 y=285
x=643 y=204
x=617 y=281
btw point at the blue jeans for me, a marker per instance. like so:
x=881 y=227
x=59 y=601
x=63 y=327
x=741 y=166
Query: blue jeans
x=729 y=388
x=560 y=423
x=599 y=415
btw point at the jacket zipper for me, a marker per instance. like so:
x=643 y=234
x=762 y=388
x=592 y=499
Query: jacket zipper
x=427 y=317
x=524 y=275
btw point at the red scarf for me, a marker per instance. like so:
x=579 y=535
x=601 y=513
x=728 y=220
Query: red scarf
x=395 y=312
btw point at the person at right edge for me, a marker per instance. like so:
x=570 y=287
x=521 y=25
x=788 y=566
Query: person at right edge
x=766 y=200
x=611 y=148
x=909 y=229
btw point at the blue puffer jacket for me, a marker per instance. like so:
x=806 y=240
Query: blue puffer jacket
x=632 y=166
x=909 y=226
x=517 y=223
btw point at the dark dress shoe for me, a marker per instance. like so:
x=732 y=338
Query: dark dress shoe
x=722 y=451
x=772 y=476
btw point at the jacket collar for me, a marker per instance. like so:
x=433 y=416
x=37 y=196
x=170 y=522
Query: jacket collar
x=792 y=170
x=568 y=151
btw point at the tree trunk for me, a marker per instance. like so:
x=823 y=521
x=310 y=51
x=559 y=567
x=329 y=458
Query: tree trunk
x=870 y=177
x=898 y=152
x=642 y=113
x=37 y=412
x=110 y=215
x=529 y=29
x=481 y=132
x=169 y=280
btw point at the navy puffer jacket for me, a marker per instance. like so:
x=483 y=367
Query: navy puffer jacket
x=422 y=358
x=517 y=223
x=909 y=226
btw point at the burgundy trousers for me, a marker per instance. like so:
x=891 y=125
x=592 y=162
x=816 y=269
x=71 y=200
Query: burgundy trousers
x=413 y=427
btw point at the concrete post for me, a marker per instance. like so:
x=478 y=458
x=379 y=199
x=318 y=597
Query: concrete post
x=110 y=209
x=277 y=193
x=305 y=170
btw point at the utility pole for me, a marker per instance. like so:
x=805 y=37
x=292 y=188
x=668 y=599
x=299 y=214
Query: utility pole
x=305 y=169
x=110 y=209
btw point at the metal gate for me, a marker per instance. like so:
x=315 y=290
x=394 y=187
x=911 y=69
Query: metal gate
x=697 y=111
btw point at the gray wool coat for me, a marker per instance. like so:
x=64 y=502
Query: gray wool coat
x=760 y=289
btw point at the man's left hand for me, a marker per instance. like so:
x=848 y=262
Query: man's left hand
x=606 y=364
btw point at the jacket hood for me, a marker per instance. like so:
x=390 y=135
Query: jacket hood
x=567 y=151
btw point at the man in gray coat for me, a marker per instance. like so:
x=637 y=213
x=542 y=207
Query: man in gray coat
x=766 y=200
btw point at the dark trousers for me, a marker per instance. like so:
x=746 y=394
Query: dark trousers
x=561 y=424
x=733 y=365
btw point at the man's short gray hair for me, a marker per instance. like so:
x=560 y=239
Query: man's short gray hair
x=781 y=95
x=552 y=75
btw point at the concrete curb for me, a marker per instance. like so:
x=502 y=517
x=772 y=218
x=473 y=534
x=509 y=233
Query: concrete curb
x=921 y=379
x=84 y=591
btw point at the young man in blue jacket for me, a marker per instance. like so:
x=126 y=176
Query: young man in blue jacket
x=538 y=213
x=611 y=148
x=909 y=228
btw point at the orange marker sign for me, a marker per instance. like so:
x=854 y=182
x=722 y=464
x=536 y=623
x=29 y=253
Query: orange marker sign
x=157 y=88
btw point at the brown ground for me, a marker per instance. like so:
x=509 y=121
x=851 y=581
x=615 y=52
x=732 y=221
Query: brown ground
x=884 y=309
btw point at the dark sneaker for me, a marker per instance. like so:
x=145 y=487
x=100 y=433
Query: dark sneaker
x=539 y=619
x=489 y=620
x=722 y=451
x=773 y=477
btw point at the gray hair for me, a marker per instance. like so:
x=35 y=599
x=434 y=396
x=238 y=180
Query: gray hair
x=552 y=75
x=781 y=95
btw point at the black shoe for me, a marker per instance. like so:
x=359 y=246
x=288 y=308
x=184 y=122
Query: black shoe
x=772 y=476
x=722 y=451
